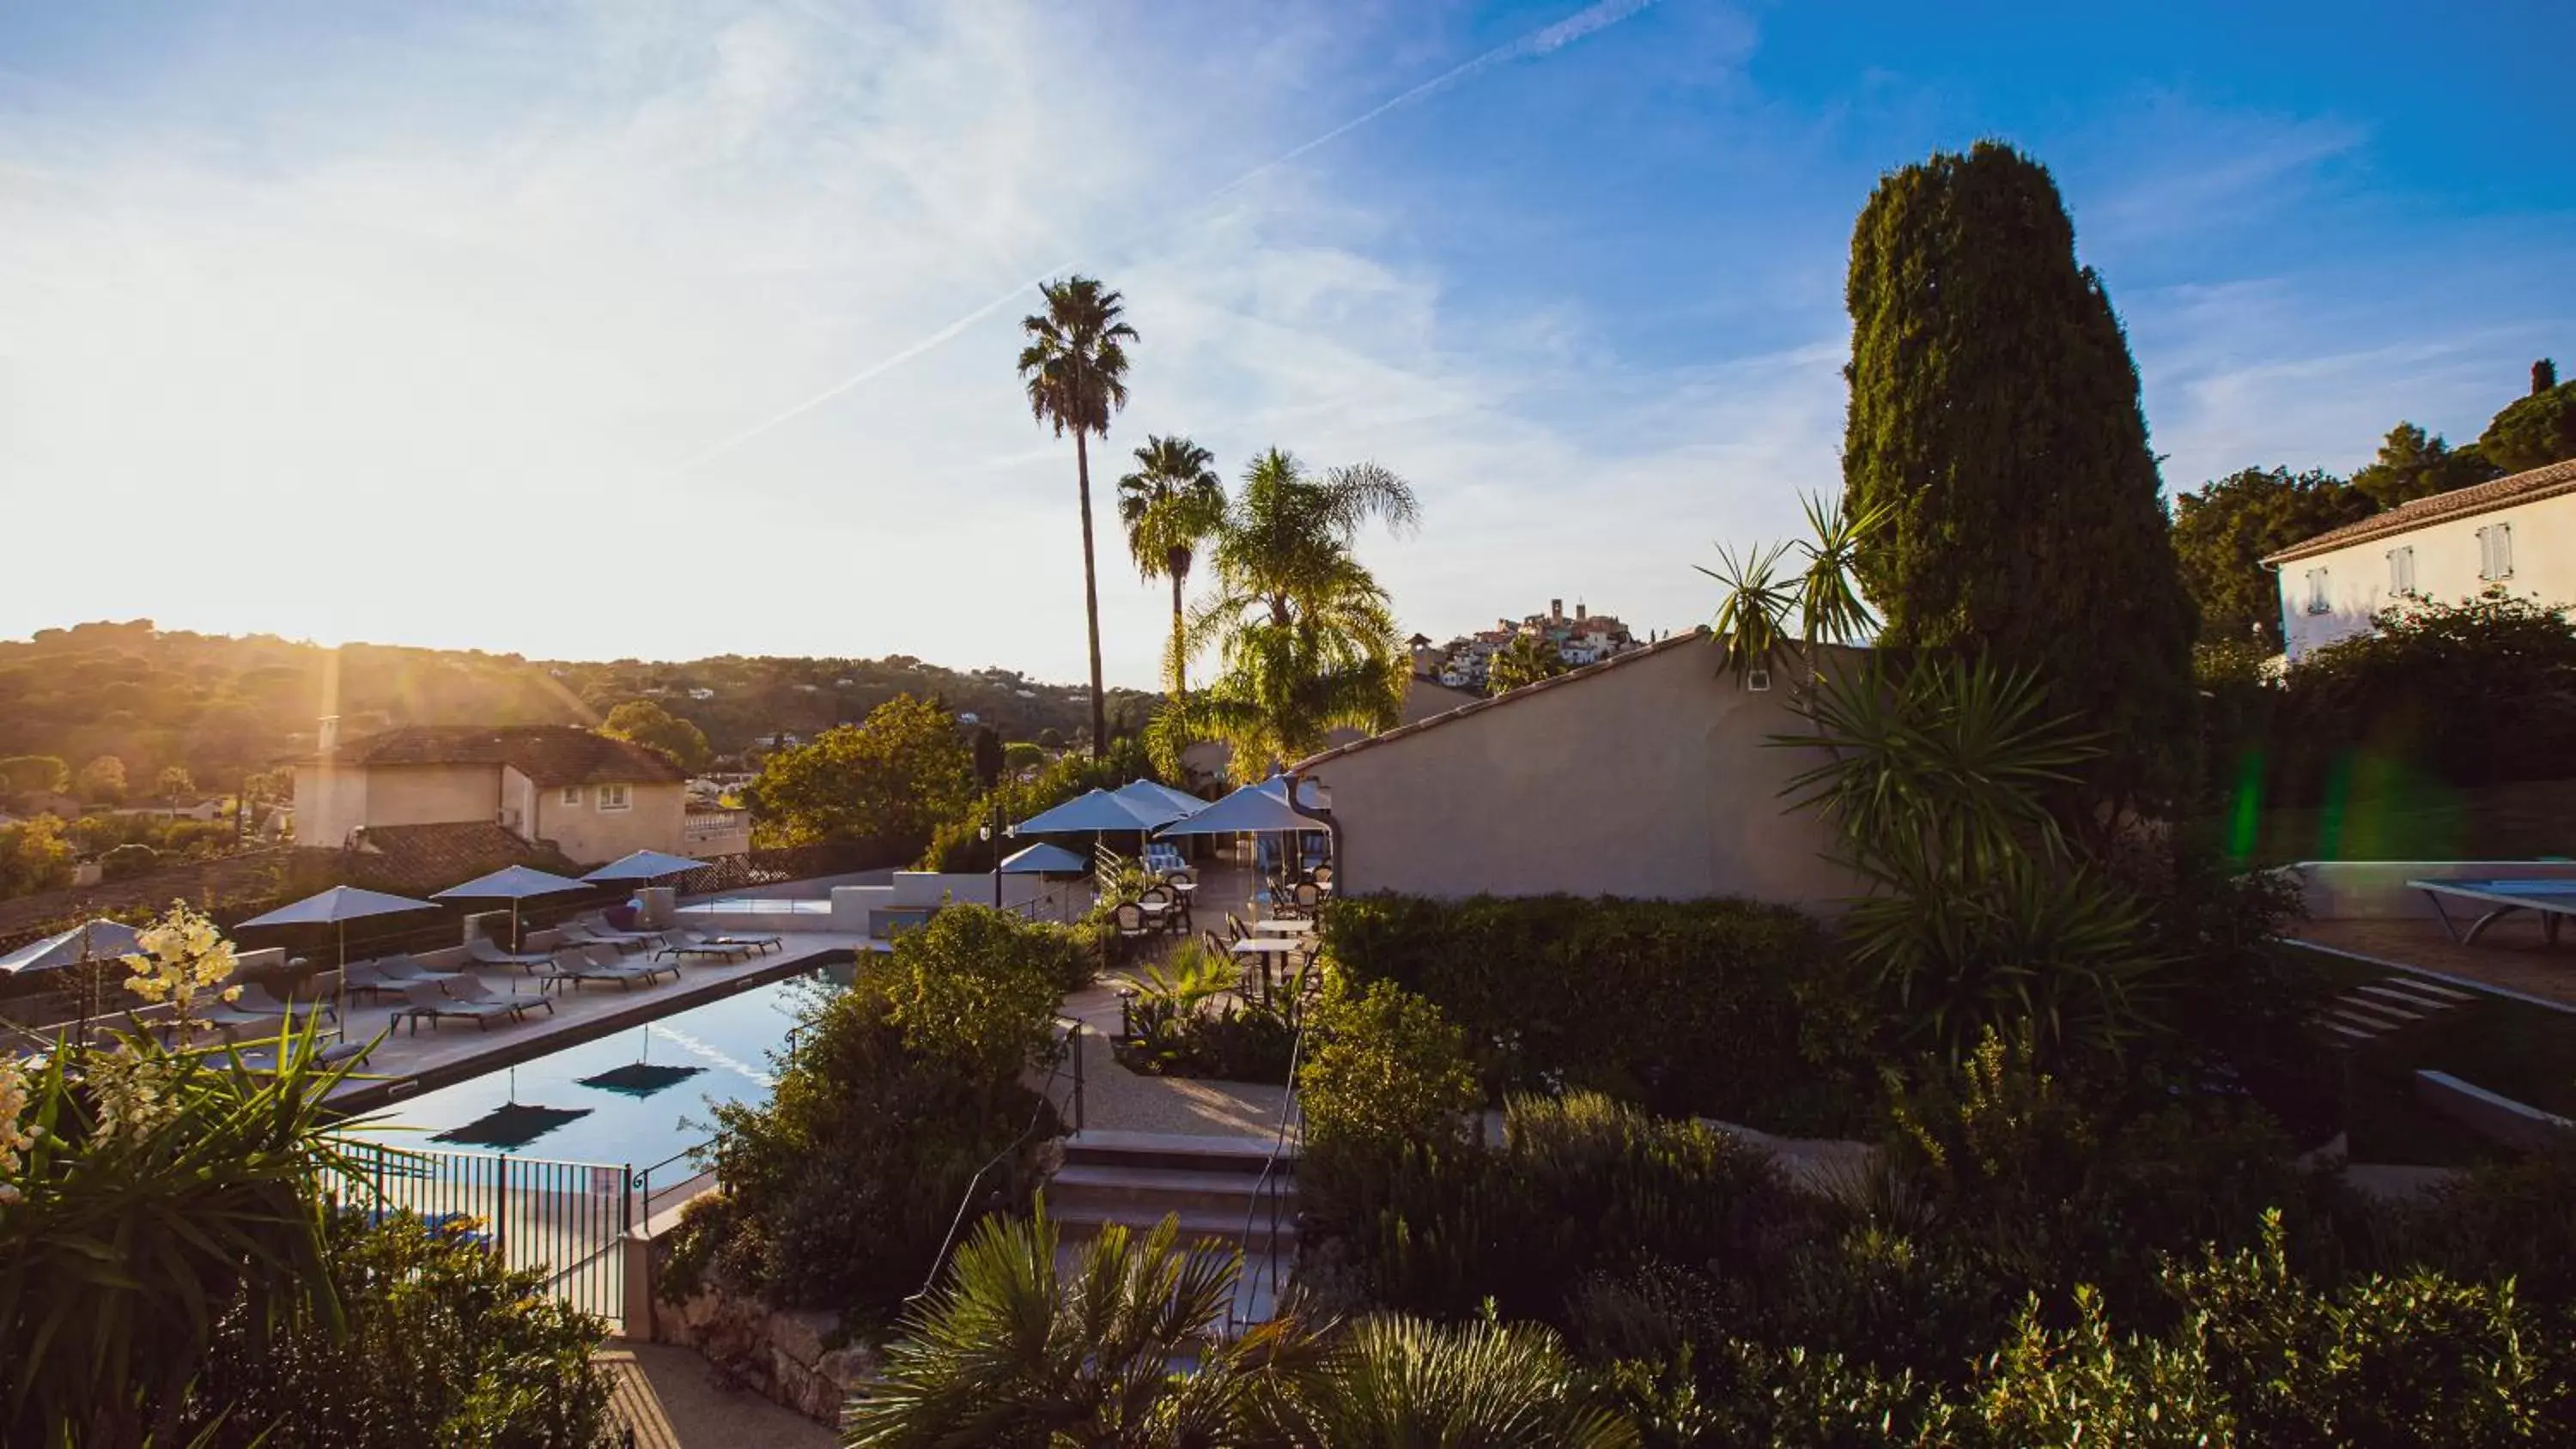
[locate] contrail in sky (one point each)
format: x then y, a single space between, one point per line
1544 41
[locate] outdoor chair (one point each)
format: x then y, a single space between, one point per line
680 944
484 952
1131 922
573 967
428 1003
1306 896
606 932
577 933
1324 878
469 987
388 975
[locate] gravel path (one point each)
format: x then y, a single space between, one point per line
1116 1099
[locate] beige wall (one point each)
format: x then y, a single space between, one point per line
589 835
2446 568
1648 779
331 801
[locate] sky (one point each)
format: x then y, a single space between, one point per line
668 328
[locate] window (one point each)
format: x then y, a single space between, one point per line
2495 552
612 797
2401 571
2317 601
572 794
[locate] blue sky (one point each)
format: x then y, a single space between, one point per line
669 329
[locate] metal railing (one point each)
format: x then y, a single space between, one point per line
568 1219
1287 1141
1072 1059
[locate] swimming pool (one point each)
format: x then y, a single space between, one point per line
636 1097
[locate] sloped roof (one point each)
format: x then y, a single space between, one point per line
418 859
2524 487
1561 681
550 755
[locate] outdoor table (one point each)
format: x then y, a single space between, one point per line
1268 950
1285 926
2549 899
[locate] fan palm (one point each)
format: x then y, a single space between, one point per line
1306 635
1526 660
1171 504
1406 1383
1075 366
1010 1353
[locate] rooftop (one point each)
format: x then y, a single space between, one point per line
2524 487
550 755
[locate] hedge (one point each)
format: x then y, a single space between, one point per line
1723 1008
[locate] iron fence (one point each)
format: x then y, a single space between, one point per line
566 1219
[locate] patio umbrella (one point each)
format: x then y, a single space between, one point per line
1094 812
1160 799
645 866
1253 809
87 945
513 884
1044 860
337 907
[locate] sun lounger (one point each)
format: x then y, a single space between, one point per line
263 1060
583 933
388 975
575 966
428 1003
690 943
469 987
482 952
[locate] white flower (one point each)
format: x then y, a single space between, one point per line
15 1139
183 955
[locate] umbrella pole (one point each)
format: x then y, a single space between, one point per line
341 993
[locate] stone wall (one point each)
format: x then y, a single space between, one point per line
779 1354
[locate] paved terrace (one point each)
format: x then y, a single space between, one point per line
2510 955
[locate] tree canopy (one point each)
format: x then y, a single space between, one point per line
2223 530
657 729
2414 464
1074 366
1994 416
893 778
2537 430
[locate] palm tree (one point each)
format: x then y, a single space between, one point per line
1397 1382
1528 659
1307 636
1171 504
1010 1353
1075 365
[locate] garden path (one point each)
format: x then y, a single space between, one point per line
1118 1100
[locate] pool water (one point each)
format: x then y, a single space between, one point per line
636 1097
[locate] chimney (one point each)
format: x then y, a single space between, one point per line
329 736
1556 608
1578 611
2544 376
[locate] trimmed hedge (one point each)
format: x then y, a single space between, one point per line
1722 1008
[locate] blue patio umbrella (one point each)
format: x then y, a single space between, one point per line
1044 860
1160 799
337 907
1093 812
89 941
514 884
645 866
1254 809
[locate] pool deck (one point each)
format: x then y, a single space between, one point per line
406 1062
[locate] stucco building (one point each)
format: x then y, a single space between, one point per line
1649 775
2517 533
590 798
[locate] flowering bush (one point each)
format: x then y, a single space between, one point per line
16 1138
183 957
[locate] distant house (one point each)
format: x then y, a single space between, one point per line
586 796
2517 533
1648 775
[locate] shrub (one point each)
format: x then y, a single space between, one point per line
841 1189
1182 1022
1720 1008
1387 1069
128 861
438 1344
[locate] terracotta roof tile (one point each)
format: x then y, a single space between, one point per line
2524 487
550 755
415 860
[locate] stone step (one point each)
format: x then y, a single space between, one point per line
2348 1025
1156 1189
2408 993
1081 1220
2438 991
2372 1009
1173 1150
2346 1035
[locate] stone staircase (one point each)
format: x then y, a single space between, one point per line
2392 1003
1210 1184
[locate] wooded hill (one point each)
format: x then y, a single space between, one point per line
222 707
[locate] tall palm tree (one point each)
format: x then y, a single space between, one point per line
1307 635
1075 365
1171 504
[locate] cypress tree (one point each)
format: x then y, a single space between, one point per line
1994 411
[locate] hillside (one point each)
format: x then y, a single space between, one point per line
222 707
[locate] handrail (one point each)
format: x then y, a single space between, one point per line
1046 1101
1265 1187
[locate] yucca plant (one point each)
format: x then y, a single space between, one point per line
1753 615
151 1187
1397 1382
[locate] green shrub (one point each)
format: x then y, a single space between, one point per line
840 1189
1386 1068
1183 1022
956 846
1718 1008
438 1345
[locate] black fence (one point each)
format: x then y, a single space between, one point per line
568 1219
